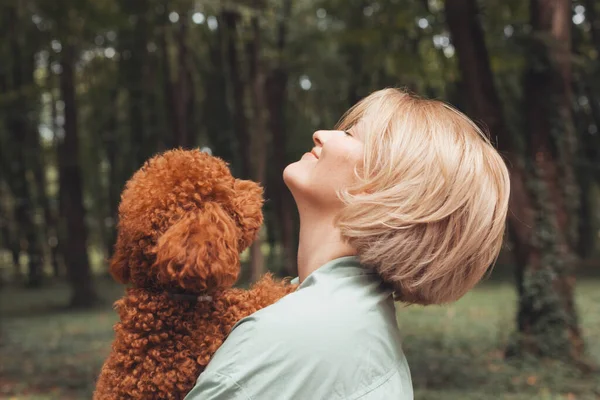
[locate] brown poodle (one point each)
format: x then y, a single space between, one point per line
183 221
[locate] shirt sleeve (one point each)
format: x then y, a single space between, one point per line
216 386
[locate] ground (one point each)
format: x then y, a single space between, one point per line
455 352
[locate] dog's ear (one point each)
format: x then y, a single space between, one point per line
199 252
119 265
247 205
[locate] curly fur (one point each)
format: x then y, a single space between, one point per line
183 221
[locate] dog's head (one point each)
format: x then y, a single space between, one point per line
183 221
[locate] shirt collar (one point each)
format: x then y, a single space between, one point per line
342 267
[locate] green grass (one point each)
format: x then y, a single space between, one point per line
455 352
47 352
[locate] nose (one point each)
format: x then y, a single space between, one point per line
319 138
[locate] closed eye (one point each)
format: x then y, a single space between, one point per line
347 133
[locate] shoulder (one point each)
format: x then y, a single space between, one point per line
309 342
295 327
307 320
315 324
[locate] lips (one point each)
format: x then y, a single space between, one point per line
309 156
314 153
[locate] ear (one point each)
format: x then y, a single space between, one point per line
247 206
119 267
198 252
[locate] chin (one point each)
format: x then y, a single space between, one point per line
295 176
290 175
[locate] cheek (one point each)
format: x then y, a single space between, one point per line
340 166
335 176
332 175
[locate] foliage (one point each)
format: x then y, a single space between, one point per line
335 52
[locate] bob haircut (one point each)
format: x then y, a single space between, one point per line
428 212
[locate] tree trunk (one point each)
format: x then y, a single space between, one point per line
18 126
592 143
587 225
259 140
251 132
229 20
276 95
174 130
591 15
114 173
156 121
10 232
217 121
135 67
589 152
547 320
50 223
59 229
355 53
71 191
485 105
551 149
183 97
39 164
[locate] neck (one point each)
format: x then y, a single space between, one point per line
320 242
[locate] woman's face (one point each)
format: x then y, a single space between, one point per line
330 166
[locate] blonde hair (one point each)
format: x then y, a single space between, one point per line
428 212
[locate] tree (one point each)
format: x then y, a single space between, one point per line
248 104
259 138
551 148
55 229
111 149
71 191
547 320
184 93
22 131
586 45
9 233
39 163
276 92
133 43
228 23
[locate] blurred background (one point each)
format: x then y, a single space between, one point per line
91 89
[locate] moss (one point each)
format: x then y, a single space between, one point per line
544 320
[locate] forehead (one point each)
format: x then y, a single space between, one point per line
355 121
374 112
358 130
350 119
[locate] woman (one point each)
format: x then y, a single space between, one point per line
405 200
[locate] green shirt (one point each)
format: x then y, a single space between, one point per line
336 337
